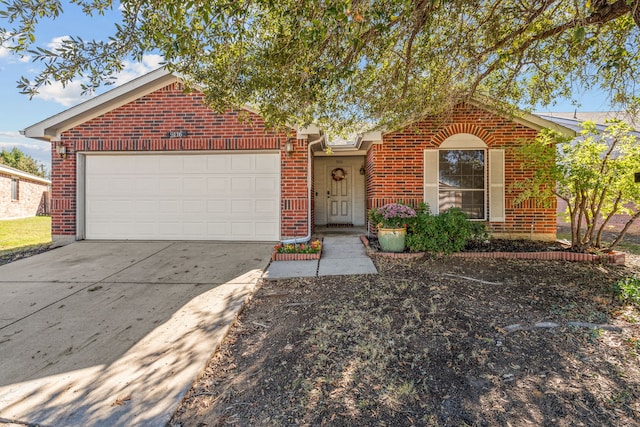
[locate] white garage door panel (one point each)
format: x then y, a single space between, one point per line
186 196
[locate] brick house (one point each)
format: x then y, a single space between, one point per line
22 194
149 161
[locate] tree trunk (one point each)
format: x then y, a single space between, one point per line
624 230
635 11
614 210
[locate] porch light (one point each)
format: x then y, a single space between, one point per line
288 146
61 150
362 170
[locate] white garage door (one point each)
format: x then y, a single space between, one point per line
183 197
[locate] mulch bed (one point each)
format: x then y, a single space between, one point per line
498 245
510 249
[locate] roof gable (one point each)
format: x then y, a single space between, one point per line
526 119
523 118
50 129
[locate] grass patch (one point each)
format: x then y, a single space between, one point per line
628 290
25 232
628 247
623 246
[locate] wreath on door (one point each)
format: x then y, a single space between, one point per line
338 174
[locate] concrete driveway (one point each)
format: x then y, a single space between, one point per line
113 333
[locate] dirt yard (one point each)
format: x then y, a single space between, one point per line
443 342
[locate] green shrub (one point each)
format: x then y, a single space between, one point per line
446 233
628 290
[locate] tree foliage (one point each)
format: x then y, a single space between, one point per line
19 160
595 175
349 62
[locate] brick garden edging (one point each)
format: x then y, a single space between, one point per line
400 255
294 257
615 258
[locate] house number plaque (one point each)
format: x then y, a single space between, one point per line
177 134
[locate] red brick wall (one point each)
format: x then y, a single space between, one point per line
143 124
396 167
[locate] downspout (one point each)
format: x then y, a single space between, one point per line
309 186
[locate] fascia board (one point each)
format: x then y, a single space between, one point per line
538 123
304 132
21 174
51 128
372 136
526 119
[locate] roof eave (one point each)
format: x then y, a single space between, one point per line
526 119
7 170
538 123
51 128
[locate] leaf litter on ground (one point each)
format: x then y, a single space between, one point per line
424 343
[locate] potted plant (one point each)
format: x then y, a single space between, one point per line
391 220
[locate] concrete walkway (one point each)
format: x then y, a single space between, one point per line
114 333
341 255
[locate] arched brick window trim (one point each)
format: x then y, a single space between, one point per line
495 164
457 128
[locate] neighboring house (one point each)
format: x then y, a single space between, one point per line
573 121
22 194
149 161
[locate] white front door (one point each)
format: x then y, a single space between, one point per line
339 209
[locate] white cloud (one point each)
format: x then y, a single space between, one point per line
39 150
56 42
69 95
137 69
32 147
72 93
10 139
6 41
9 134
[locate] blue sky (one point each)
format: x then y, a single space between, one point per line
18 111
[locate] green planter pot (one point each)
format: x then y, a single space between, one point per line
392 239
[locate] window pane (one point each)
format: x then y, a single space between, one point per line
15 189
470 202
478 182
462 181
462 168
449 199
